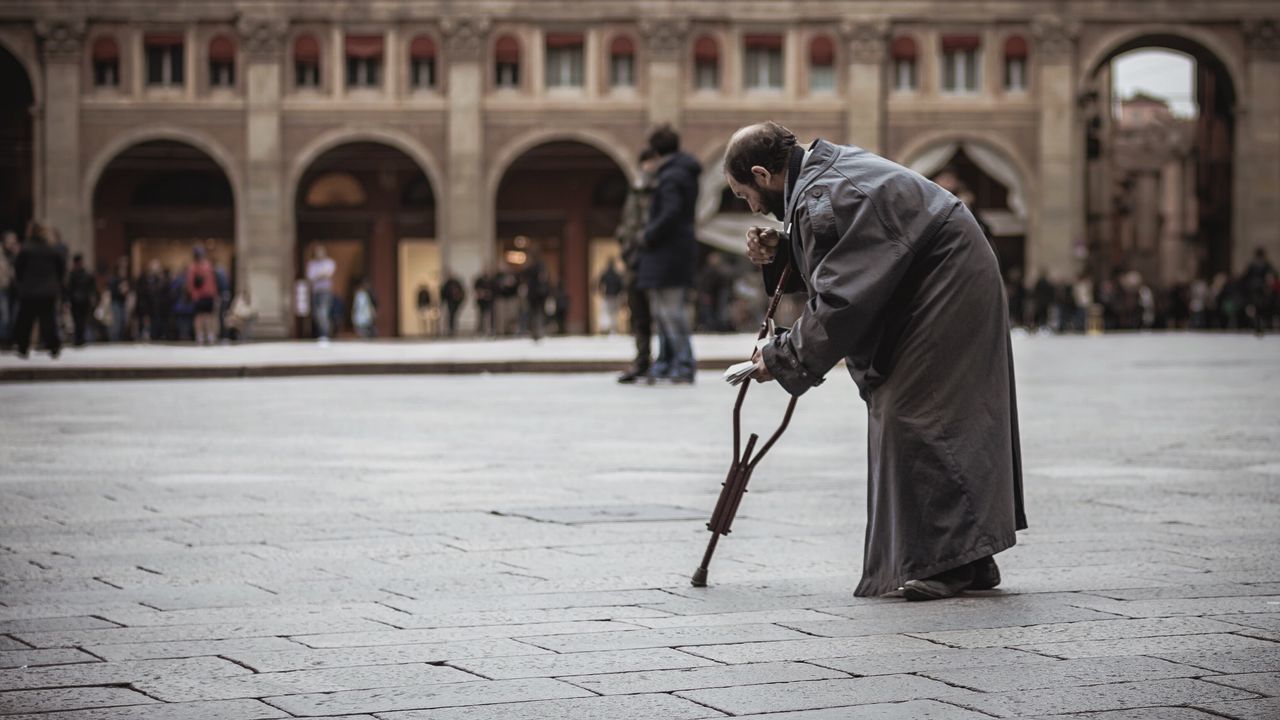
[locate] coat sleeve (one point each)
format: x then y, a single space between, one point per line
857 262
664 213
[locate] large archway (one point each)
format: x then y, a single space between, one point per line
373 209
157 201
563 198
1158 186
17 146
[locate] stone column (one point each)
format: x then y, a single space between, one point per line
665 40
1053 233
867 51
1257 152
62 47
265 254
466 212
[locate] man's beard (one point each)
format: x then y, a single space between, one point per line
773 202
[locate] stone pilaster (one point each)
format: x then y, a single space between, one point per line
666 41
1257 183
468 242
266 254
62 47
1058 210
866 42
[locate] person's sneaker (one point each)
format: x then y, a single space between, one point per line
943 585
985 573
631 376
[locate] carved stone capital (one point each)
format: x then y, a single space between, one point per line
61 39
465 36
1055 38
1262 37
262 38
665 37
867 40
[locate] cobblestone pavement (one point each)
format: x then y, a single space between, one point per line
518 547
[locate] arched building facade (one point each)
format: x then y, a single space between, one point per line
464 101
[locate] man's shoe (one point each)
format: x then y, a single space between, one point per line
631 376
682 379
985 573
943 585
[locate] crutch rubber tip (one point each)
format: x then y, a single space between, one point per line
699 578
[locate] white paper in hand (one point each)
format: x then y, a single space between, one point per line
737 374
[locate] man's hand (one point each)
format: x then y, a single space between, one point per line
762 245
762 373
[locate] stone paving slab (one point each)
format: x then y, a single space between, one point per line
568 664
1063 673
1077 631
486 692
1263 683
817 694
631 707
702 677
1102 697
817 648
19 701
1150 713
1228 661
217 710
1159 646
304 659
935 658
438 635
260 685
910 710
117 673
669 637
1262 709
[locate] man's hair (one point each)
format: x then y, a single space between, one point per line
767 144
664 140
648 154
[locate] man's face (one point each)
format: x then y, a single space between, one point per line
763 199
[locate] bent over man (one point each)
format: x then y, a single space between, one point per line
903 286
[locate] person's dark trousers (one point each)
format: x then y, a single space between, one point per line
44 310
641 327
453 319
80 322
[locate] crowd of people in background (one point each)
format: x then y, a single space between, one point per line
1125 301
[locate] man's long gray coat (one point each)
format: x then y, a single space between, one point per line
904 286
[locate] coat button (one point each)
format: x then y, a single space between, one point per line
817 193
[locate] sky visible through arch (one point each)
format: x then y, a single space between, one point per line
1162 73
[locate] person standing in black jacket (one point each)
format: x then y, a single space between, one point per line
38 270
82 290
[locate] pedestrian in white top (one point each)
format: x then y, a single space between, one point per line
320 270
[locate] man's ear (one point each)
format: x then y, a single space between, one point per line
762 175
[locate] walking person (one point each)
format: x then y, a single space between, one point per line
903 286
38 272
535 285
669 253
482 288
82 290
630 234
423 305
364 311
121 289
202 288
241 317
452 294
6 284
610 286
320 272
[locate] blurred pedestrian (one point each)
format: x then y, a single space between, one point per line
506 306
320 272
241 317
1256 289
669 252
423 305
535 287
6 284
202 288
1082 294
610 286
1042 297
82 290
150 298
39 270
452 294
302 307
364 311
482 289
121 289
630 234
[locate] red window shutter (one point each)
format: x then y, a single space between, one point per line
507 50
422 48
221 49
306 49
1015 47
162 39
960 42
904 48
763 42
105 49
564 40
622 45
706 50
364 46
822 52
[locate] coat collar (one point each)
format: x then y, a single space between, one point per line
821 155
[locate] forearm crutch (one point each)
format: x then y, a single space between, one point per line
744 461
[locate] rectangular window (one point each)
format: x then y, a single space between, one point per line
564 61
622 71
960 70
306 74
508 75
364 72
423 73
706 75
1015 74
822 79
904 75
106 73
164 60
762 69
222 74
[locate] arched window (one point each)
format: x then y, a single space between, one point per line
622 62
506 62
222 62
306 62
904 64
422 63
364 61
822 65
106 62
1015 64
706 64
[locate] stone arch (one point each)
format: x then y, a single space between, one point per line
1021 185
122 142
1113 43
22 48
512 151
385 136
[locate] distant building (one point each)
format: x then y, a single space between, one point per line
411 136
